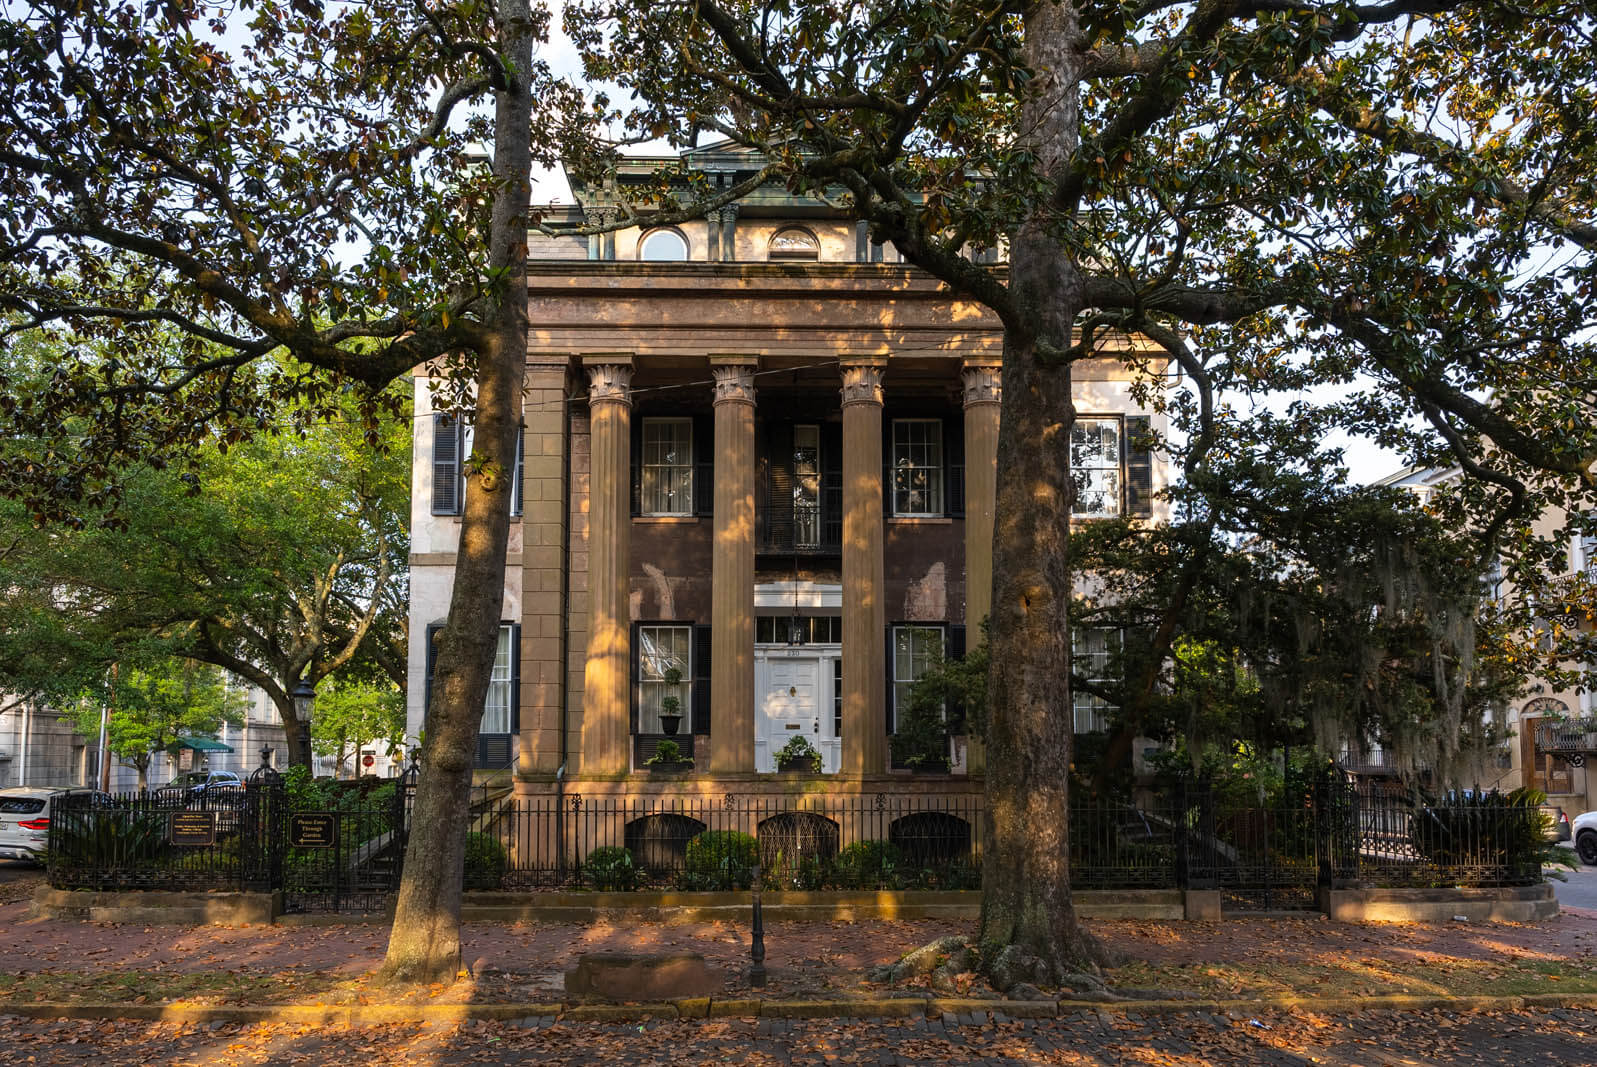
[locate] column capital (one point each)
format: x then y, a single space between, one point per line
862 381
983 384
608 379
734 381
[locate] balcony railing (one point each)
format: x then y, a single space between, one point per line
1567 736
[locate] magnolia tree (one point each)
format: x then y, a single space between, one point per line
1395 199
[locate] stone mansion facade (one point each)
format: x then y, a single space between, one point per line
754 500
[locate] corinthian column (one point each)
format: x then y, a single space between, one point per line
732 567
864 611
983 396
605 701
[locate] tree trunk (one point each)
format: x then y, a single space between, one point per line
425 943
295 754
144 774
1026 870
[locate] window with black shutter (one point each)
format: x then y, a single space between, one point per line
701 679
954 459
448 488
704 465
1139 466
516 479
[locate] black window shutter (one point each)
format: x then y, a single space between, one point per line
887 466
515 678
446 465
955 649
779 486
432 665
701 679
637 465
704 465
892 692
762 484
634 673
954 462
515 484
832 484
1139 466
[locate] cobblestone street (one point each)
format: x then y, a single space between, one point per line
1547 1038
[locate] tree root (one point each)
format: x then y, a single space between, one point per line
1009 969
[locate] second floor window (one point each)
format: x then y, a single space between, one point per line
1095 467
452 444
917 467
667 467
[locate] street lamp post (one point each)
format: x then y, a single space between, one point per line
304 695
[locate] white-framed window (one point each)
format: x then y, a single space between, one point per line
1095 467
806 486
1093 650
663 246
496 708
661 648
915 649
667 474
794 243
917 467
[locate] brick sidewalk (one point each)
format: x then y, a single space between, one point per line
1546 1038
525 962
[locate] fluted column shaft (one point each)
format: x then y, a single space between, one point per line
983 397
864 609
605 703
732 568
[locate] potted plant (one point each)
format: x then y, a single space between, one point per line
671 704
798 755
668 757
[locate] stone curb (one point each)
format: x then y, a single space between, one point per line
363 1015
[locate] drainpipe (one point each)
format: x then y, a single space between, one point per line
22 749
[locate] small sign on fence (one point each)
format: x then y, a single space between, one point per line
313 829
191 828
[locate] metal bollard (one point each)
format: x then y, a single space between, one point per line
757 950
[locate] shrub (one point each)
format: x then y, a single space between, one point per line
610 867
1486 829
868 865
486 862
720 859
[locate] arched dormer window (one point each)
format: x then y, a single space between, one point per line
663 246
794 243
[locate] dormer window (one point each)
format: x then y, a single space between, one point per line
795 243
663 246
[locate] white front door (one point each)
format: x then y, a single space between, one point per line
788 692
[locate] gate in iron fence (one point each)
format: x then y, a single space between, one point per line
345 853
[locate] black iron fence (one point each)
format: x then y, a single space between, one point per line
876 841
342 848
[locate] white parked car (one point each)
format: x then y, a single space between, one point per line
25 820
1585 834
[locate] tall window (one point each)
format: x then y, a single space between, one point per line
496 708
806 486
660 648
1095 467
915 648
1093 651
917 467
667 466
663 246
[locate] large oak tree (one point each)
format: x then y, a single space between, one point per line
1394 199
